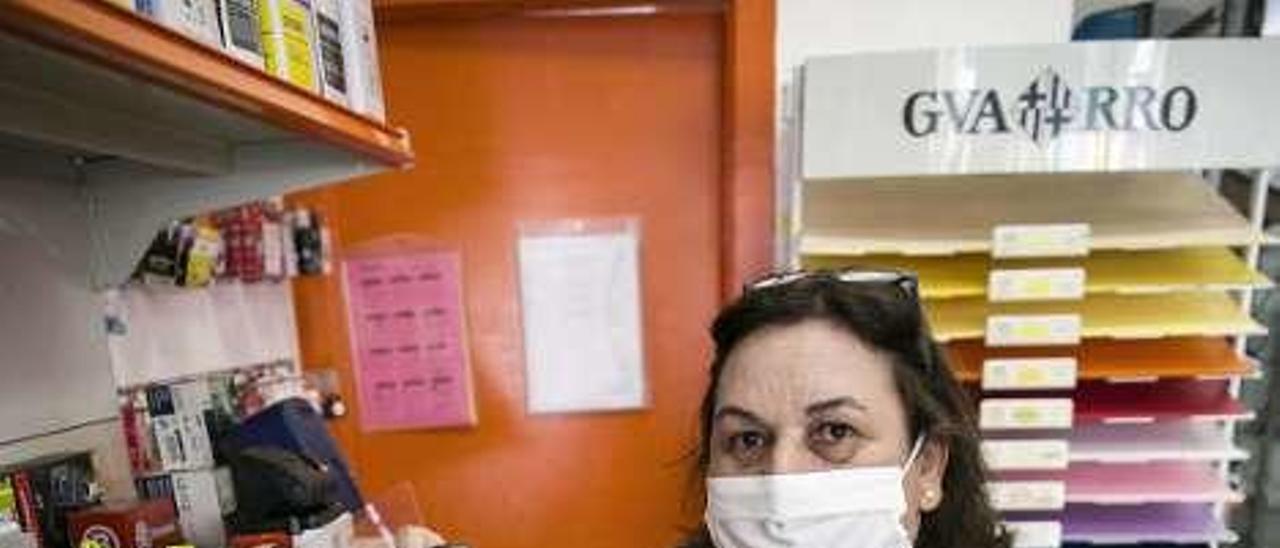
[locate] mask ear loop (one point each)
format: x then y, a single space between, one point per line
916 449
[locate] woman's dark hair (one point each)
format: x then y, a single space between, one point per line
887 318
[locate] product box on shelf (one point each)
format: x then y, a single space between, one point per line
330 60
242 30
195 18
127 525
288 40
360 49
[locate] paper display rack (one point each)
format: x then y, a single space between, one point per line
1087 279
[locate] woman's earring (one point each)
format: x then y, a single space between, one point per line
929 501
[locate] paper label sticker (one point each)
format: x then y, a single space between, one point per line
1029 374
1035 534
1036 284
1026 413
1010 455
1040 240
1033 330
1027 496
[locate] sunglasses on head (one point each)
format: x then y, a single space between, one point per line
903 280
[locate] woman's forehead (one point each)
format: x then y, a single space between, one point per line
785 369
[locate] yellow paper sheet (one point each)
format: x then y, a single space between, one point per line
1106 316
1125 272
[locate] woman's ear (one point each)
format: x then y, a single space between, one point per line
929 470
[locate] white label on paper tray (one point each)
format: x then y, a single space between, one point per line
1035 534
1028 496
1033 330
1036 284
1040 240
1026 413
1029 374
1027 454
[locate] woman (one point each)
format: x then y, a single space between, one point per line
832 421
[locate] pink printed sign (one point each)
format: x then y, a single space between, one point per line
406 325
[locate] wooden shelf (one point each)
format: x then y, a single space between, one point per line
117 59
951 215
1106 316
1107 272
1102 359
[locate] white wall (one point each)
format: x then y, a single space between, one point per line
54 371
822 27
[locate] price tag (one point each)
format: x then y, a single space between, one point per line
1026 413
1009 455
1036 284
1029 374
1024 241
1028 496
1035 534
1033 330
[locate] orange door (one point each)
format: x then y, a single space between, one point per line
538 118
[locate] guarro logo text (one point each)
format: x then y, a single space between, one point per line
1048 107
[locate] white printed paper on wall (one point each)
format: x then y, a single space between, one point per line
580 298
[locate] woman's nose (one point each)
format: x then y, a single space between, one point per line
792 456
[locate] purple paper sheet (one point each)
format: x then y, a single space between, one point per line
1175 523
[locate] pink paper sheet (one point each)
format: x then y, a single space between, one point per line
406 325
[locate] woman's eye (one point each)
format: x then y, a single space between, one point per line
834 432
747 445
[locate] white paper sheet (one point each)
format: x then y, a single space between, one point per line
580 297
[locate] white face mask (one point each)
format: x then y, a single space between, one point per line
849 508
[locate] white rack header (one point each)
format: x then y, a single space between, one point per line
1089 106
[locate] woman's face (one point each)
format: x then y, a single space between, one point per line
811 397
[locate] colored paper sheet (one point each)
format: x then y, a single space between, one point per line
407 330
1137 483
1146 443
951 215
1180 523
1180 357
1156 402
1183 269
1106 316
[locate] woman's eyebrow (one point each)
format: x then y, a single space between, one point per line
827 405
735 411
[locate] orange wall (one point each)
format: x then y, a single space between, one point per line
518 119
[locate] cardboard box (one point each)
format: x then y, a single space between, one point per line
360 48
330 59
242 30
195 18
134 525
288 46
